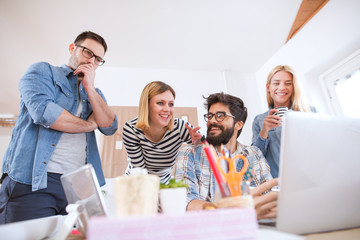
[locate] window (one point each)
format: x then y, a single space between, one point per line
342 84
347 90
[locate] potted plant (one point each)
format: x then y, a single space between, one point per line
173 197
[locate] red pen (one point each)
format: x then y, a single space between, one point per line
225 192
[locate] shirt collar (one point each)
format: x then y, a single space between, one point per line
239 150
66 70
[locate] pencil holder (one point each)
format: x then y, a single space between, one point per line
245 201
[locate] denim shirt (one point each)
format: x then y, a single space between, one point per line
45 92
270 147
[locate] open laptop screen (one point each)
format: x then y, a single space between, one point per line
82 187
319 173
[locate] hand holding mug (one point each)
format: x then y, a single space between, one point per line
271 121
281 111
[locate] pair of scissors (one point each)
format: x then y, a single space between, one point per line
232 176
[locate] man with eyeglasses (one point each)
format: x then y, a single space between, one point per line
225 119
60 109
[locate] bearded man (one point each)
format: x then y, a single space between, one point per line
225 119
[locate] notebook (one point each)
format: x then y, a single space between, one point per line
319 173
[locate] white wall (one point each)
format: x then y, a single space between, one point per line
5 134
243 85
332 35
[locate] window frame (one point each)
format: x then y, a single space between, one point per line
341 70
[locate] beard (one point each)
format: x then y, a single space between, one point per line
223 138
74 64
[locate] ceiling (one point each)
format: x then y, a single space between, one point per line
210 35
307 10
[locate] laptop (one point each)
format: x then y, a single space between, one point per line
82 187
319 173
85 200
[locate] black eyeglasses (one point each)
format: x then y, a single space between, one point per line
89 54
219 116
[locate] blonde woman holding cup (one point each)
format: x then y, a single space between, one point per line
283 93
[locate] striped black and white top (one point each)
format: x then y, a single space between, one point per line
157 157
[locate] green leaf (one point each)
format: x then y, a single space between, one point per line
173 184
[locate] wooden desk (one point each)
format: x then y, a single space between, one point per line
75 237
349 234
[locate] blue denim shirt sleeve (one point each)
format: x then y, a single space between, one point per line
37 91
51 113
257 141
114 126
111 129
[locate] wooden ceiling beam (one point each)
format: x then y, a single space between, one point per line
307 10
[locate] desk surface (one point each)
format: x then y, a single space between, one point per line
348 234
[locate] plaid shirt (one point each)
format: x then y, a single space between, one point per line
193 166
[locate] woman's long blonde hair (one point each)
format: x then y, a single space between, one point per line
298 101
150 90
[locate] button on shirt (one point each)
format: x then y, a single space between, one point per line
45 92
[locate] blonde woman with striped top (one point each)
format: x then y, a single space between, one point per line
152 140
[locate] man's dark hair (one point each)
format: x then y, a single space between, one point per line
88 34
235 104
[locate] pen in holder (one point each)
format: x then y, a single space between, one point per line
245 200
224 189
234 176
